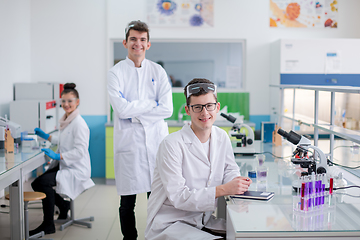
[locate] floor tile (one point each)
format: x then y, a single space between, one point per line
100 201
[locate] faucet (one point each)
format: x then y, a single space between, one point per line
180 115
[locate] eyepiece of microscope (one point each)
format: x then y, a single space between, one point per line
228 117
292 137
283 133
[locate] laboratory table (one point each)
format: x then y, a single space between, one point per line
13 168
275 218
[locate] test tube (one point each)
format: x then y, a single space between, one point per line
316 191
307 192
311 190
302 198
313 180
318 187
301 180
331 186
323 194
297 199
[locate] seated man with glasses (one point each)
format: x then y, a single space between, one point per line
194 167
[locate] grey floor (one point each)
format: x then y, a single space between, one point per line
100 201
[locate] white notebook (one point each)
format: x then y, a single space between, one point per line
259 195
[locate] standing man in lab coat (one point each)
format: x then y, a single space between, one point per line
141 97
194 167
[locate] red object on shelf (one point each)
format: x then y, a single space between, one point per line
61 88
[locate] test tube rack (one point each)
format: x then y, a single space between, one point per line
322 219
312 196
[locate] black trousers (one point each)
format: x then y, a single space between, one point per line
45 184
127 216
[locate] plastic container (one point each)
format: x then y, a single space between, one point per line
252 176
28 142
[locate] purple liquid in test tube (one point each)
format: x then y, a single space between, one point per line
310 194
315 193
317 186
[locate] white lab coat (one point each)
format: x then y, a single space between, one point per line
139 124
184 186
74 172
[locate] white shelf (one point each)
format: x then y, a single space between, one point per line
301 119
346 89
341 132
321 125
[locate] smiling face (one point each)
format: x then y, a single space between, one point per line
203 120
137 43
69 102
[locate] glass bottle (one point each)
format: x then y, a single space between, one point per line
261 171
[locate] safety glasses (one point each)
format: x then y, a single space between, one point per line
69 101
127 29
196 87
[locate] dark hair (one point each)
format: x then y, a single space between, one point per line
70 88
201 92
137 26
161 63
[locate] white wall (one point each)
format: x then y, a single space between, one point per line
68 44
14 48
239 19
69 41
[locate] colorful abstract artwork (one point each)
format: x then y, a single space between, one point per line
304 13
166 7
180 13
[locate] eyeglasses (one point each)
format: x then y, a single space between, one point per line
70 100
199 107
196 87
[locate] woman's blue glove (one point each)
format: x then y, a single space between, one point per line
41 133
51 153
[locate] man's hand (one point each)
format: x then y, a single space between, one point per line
238 185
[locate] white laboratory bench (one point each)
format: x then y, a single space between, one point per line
13 168
275 218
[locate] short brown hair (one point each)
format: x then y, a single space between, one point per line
201 92
137 26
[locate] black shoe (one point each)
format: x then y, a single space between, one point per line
64 210
48 229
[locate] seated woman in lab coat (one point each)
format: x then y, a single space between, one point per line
70 170
194 167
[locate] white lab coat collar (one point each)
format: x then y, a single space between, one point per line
194 144
132 64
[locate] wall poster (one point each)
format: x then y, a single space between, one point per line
180 13
304 13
